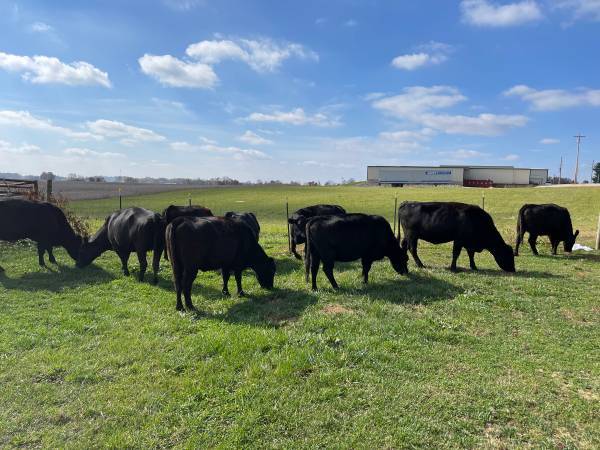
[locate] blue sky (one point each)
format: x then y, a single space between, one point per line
295 90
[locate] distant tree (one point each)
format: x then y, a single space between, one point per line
596 174
47 176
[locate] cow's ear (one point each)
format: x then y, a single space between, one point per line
576 233
291 221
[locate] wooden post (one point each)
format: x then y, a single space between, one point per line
190 199
48 190
395 213
120 200
483 201
287 224
598 234
35 188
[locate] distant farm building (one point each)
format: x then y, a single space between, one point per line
472 176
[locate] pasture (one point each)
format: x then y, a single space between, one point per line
89 358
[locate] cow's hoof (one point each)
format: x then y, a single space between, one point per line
226 293
453 269
241 294
179 308
155 281
126 273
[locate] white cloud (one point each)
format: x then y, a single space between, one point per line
416 104
24 119
550 141
431 54
580 9
128 133
46 70
262 55
294 117
511 157
417 99
491 14
23 149
249 137
86 153
236 152
320 20
172 71
40 27
350 23
183 5
555 99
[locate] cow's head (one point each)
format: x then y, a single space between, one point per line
265 273
570 242
298 226
505 257
87 254
398 258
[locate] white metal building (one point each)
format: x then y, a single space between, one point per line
456 175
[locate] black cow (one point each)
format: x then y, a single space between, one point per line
41 222
299 218
348 238
248 218
467 226
171 212
545 220
128 230
211 243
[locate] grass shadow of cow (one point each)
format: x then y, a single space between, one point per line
56 279
272 310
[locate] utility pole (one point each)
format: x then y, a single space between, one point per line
578 137
592 174
560 172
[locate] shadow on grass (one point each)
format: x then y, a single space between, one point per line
414 288
518 274
573 256
56 278
273 310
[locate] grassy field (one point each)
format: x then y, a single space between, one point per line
89 358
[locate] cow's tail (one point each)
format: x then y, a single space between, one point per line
172 252
520 219
307 257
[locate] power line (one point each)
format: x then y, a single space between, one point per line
578 137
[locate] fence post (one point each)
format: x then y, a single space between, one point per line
395 213
598 234
35 188
120 200
483 201
287 224
190 199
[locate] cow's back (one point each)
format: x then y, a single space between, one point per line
545 219
132 227
26 219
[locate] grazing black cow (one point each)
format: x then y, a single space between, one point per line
128 230
211 243
545 220
173 211
248 218
41 222
348 238
467 226
299 218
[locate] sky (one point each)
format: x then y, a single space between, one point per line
296 90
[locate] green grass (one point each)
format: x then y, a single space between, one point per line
89 358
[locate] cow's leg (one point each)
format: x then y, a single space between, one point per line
141 254
554 243
225 273
51 257
238 281
124 256
471 254
328 269
178 281
412 246
315 261
532 239
188 280
155 265
456 249
404 243
366 266
41 250
520 235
